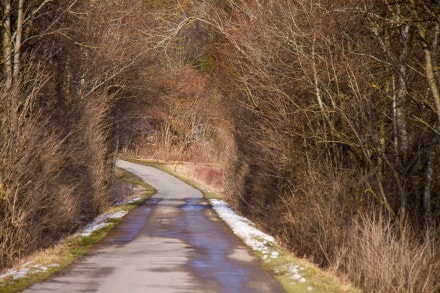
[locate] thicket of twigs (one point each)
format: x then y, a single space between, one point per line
324 116
65 66
333 115
337 131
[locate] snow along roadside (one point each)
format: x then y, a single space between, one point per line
97 224
255 238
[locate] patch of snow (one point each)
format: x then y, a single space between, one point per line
128 201
92 227
26 270
117 215
296 270
133 200
99 223
243 228
255 239
21 273
41 268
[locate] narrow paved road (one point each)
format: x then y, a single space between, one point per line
173 243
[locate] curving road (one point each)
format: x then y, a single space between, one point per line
173 243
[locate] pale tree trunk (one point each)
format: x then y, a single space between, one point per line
318 94
399 113
7 52
18 41
402 92
397 87
434 85
13 40
427 30
435 49
432 80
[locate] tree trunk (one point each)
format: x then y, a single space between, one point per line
399 113
7 54
18 41
431 75
402 92
433 82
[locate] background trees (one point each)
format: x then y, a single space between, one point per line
325 93
323 115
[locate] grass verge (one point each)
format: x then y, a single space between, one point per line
287 269
43 264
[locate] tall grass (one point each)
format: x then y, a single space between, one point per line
379 257
333 222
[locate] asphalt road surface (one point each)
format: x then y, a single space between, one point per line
173 243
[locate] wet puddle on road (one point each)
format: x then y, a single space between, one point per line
217 258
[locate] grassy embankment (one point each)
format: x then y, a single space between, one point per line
60 256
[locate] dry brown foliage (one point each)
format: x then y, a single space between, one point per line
328 120
331 120
56 129
320 117
380 258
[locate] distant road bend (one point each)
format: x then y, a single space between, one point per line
173 243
